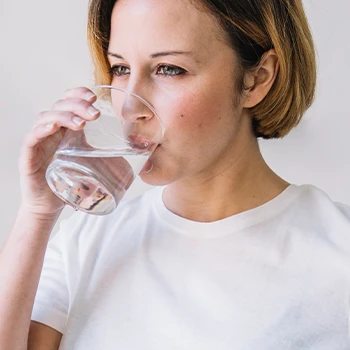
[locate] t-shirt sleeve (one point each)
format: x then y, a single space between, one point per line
344 208
52 298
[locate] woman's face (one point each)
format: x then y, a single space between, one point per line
176 57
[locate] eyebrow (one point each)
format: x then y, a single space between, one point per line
155 55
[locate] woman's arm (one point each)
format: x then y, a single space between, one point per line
42 337
22 257
21 262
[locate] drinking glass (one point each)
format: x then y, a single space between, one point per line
93 167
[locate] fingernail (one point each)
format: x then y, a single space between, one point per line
49 126
93 111
89 95
78 121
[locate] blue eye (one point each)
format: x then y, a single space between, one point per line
119 70
165 70
170 70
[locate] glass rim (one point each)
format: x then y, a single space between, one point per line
148 105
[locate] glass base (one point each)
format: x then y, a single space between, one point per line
79 187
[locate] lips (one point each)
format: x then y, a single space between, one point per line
140 142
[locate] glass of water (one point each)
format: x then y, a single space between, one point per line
93 167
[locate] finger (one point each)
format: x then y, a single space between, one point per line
77 106
39 133
66 119
80 92
32 152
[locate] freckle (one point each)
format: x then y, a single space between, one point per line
200 125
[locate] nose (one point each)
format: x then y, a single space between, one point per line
134 109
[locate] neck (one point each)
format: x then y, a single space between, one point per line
246 183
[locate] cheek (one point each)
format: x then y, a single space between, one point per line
198 115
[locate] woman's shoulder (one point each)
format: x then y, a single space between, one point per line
317 217
317 200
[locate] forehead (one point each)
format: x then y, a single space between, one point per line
163 24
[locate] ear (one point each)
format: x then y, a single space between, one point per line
260 80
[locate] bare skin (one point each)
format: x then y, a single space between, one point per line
25 248
209 157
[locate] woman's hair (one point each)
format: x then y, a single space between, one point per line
253 27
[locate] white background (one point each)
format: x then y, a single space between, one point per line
44 52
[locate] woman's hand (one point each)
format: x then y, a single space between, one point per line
71 112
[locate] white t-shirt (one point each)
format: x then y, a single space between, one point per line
276 277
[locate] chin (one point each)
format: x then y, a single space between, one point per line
155 177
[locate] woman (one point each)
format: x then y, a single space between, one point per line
226 254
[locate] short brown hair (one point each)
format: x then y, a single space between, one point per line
253 27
